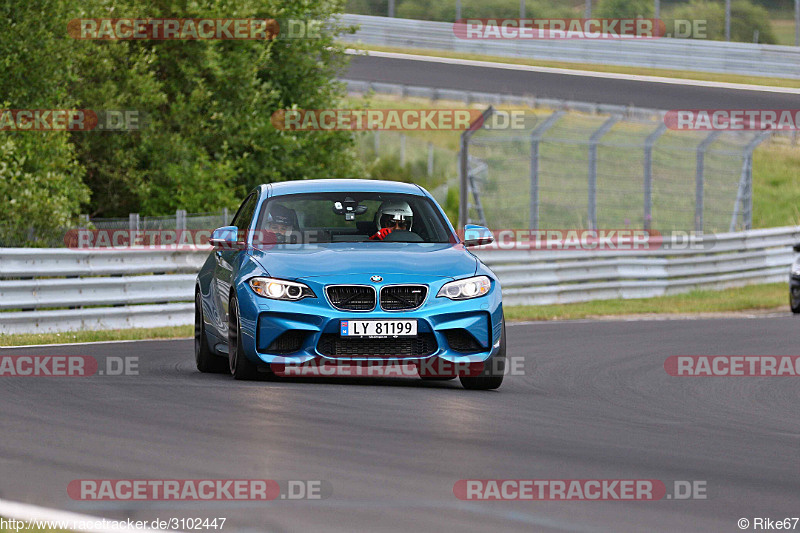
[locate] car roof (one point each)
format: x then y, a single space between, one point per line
340 185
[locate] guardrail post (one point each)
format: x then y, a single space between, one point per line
402 149
593 142
648 173
536 138
391 8
430 159
522 9
463 167
377 141
700 181
744 195
226 217
458 9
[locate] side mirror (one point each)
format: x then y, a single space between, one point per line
225 238
477 235
796 247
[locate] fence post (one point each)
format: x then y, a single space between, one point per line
536 138
744 195
593 142
463 167
430 158
700 181
648 173
522 9
727 20
377 140
180 219
402 149
226 217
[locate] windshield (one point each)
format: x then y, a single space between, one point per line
353 217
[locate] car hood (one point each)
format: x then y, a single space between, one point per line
294 262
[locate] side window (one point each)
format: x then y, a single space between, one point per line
245 213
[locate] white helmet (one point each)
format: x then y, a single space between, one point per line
394 211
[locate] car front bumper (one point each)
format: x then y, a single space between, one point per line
264 321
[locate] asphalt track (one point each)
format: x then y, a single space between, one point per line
594 402
563 86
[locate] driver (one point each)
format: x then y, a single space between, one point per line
392 215
280 222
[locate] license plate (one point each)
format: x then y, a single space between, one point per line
379 328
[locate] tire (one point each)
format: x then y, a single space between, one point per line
492 375
206 360
437 378
240 366
794 303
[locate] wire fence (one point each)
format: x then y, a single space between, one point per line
584 165
571 170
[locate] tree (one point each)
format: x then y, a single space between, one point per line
40 177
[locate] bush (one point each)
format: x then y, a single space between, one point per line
745 19
624 9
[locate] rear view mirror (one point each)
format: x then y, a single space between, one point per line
349 208
225 238
477 235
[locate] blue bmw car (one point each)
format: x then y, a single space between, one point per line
348 272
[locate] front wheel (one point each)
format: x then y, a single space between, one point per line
241 367
493 369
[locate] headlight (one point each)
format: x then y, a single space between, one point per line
464 289
278 289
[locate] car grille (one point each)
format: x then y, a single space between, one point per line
333 345
402 297
460 340
351 297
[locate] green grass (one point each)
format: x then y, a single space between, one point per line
772 296
784 31
639 71
776 187
25 339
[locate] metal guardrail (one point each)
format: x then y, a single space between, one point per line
683 54
113 289
58 289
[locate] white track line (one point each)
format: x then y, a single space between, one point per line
25 512
581 73
93 342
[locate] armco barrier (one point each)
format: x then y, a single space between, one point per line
678 54
64 290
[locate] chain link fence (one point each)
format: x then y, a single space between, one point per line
57 238
572 170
